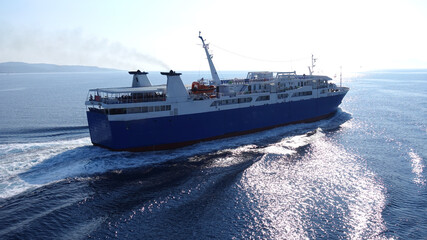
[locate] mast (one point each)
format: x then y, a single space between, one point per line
313 61
214 74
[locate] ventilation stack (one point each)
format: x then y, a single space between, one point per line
175 89
140 79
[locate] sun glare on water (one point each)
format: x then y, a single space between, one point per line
327 188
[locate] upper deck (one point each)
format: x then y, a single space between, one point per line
127 94
256 82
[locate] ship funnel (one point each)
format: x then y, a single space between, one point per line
140 79
175 89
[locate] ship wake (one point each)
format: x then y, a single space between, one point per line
30 165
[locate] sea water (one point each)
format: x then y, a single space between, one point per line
358 175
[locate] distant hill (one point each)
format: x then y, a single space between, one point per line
20 67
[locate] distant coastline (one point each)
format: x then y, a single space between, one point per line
21 67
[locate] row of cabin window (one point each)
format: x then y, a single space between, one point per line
231 101
299 94
263 98
259 86
299 84
282 96
161 108
260 98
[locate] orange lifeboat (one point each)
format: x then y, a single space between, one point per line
200 88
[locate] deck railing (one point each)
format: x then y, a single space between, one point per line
126 99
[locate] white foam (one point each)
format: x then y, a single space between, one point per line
417 167
12 89
21 157
29 165
288 145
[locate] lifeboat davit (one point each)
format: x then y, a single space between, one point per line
200 88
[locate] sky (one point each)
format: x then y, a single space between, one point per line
243 34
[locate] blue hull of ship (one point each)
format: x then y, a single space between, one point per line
176 131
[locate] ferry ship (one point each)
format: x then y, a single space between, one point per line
144 117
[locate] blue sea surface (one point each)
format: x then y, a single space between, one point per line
360 174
